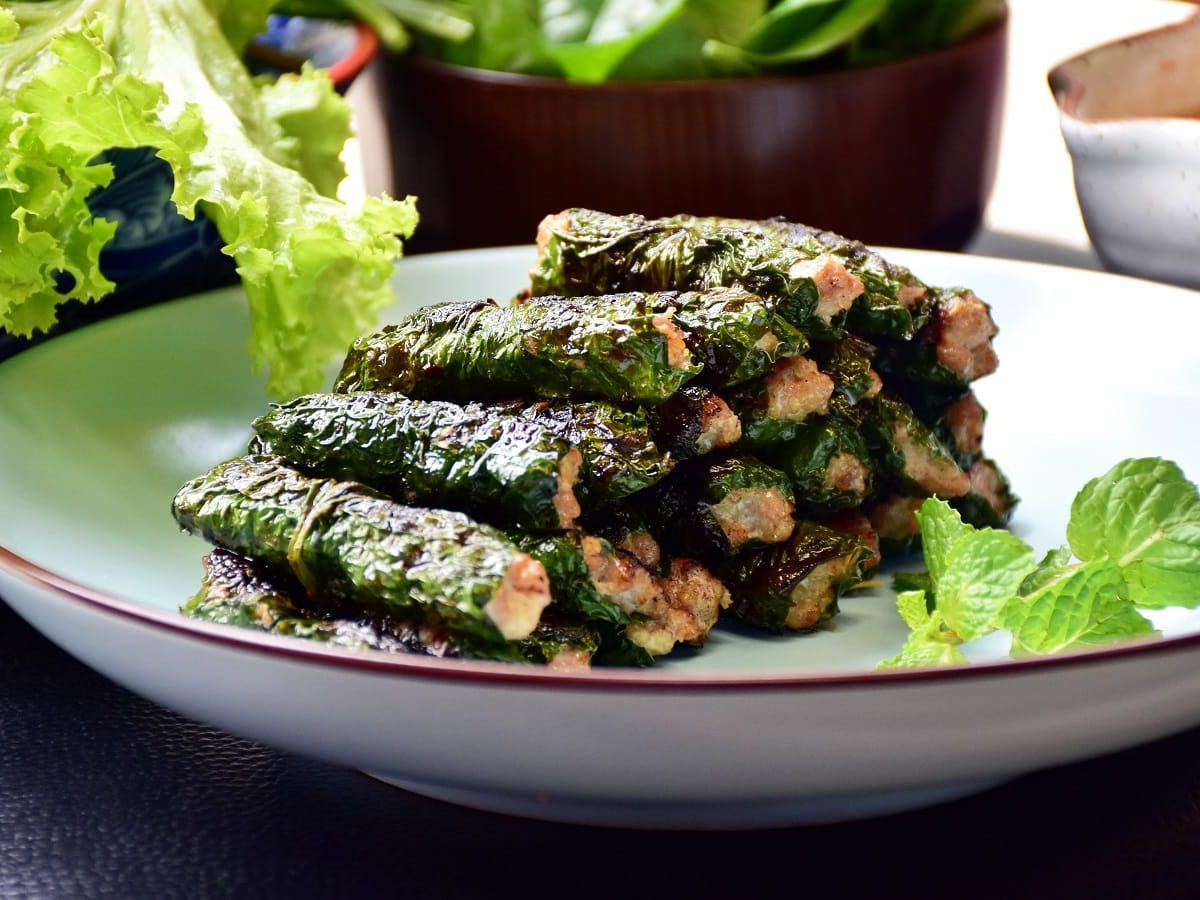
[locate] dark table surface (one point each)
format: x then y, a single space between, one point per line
105 794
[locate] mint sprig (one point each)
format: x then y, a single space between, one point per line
1133 543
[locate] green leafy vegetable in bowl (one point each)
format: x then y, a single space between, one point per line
601 40
1133 543
261 158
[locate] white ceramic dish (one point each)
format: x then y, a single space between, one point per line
1130 115
99 428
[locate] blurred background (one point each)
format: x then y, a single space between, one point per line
1032 211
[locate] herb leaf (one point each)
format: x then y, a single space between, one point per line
1134 542
1083 607
1145 515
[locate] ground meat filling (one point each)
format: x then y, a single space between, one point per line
985 481
565 502
678 356
847 474
965 332
755 514
911 295
964 417
875 388
815 592
837 287
642 546
895 518
796 389
621 579
569 659
940 477
694 599
856 523
720 426
546 229
517 605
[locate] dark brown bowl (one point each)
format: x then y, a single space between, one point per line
901 154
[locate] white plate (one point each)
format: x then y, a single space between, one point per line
99 428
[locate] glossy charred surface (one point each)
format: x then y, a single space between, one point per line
828 463
620 454
713 507
795 585
693 422
617 348
502 468
345 543
584 251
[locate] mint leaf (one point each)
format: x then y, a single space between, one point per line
1050 568
913 609
941 528
1083 606
982 571
1145 515
921 650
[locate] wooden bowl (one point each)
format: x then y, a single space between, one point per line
902 153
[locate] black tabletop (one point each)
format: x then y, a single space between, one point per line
105 794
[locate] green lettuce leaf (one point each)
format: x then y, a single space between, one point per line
84 76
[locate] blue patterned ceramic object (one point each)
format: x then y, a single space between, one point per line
156 253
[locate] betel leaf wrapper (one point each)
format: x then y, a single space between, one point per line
714 506
907 452
237 590
502 468
620 455
693 422
771 408
584 251
952 349
618 348
347 544
795 585
894 301
828 463
734 334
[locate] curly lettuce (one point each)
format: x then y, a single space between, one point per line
258 157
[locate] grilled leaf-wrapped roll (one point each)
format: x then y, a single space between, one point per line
828 463
770 409
584 251
712 507
910 452
626 528
894 518
589 576
693 422
638 616
990 501
620 456
894 302
506 469
617 348
848 364
734 334
950 351
345 543
795 585
236 590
